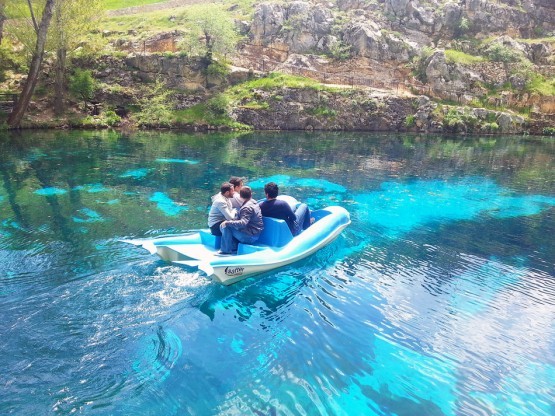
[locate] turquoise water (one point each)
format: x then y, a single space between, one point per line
439 299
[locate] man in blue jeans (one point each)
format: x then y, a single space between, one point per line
297 220
246 229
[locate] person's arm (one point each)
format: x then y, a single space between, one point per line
244 217
288 211
229 214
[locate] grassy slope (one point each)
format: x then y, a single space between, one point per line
120 4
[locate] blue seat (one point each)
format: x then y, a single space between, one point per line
276 233
208 239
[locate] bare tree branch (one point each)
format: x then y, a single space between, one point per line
33 16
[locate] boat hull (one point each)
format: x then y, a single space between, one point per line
193 250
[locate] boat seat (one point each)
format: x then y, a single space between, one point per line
243 248
207 238
276 233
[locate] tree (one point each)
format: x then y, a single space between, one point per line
82 85
211 32
72 18
2 18
14 120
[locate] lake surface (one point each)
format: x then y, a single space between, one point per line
438 299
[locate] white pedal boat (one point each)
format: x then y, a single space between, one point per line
275 248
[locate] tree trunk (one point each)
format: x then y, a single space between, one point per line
16 115
59 103
2 19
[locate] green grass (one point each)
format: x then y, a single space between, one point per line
274 81
147 22
550 39
459 57
200 114
121 4
541 85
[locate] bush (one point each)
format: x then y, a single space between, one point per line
419 64
156 107
501 53
456 120
218 105
111 118
492 127
549 131
82 85
410 121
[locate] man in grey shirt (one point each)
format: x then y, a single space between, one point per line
221 208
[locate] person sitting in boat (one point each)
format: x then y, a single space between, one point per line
246 229
221 209
297 220
237 183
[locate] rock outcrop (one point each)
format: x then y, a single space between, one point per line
310 109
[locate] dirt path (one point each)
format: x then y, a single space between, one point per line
171 4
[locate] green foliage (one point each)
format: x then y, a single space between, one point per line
155 106
218 105
501 53
459 121
145 23
549 131
82 85
9 60
340 51
217 71
491 127
462 27
200 114
210 24
455 56
539 84
111 118
410 121
419 64
106 119
464 24
120 4
322 111
274 81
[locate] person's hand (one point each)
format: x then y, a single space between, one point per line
223 224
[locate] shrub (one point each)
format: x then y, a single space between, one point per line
492 127
549 131
419 64
501 53
111 118
410 121
340 51
322 111
82 85
456 120
156 106
218 105
217 70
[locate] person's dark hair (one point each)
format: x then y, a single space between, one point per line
236 181
245 192
271 190
226 186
